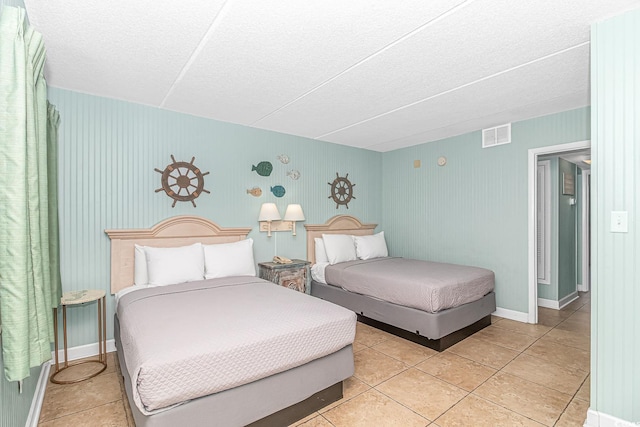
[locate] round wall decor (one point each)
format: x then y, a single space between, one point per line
182 181
341 190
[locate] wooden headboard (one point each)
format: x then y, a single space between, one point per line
176 231
339 224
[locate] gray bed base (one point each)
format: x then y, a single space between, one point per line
280 399
434 330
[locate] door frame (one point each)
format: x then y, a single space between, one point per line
532 316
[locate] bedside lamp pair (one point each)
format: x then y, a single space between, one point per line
270 219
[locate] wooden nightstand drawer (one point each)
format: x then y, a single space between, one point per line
293 276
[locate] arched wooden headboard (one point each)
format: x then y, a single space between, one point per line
339 224
176 231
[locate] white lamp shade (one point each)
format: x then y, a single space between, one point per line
269 212
294 213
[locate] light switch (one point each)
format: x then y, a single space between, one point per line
619 222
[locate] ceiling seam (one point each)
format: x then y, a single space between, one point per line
373 55
453 89
369 147
196 52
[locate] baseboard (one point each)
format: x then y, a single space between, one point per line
518 316
38 397
582 288
598 419
558 305
83 351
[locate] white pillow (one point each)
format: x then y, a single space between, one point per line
368 247
321 253
166 266
141 277
229 259
339 248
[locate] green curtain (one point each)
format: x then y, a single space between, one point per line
29 250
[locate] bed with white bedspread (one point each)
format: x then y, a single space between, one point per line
231 350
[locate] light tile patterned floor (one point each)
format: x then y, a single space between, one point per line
509 374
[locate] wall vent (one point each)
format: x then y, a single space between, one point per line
496 136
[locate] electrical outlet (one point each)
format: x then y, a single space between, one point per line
619 222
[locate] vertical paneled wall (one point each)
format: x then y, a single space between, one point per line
615 348
473 210
108 152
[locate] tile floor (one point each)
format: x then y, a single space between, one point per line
508 374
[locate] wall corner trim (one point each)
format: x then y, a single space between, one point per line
599 419
38 397
518 316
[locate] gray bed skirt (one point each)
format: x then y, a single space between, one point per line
432 326
255 401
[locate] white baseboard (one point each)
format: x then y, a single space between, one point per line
598 419
38 397
582 288
558 305
82 351
518 316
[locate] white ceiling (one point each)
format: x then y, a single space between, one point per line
376 74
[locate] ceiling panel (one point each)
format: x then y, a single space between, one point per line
265 54
495 37
505 93
131 50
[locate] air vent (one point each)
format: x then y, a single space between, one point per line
496 136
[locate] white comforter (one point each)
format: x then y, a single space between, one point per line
190 340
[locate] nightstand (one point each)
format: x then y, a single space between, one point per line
293 276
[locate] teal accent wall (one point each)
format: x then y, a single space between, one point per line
108 152
615 321
473 210
566 233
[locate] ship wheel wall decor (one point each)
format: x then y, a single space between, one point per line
341 190
182 181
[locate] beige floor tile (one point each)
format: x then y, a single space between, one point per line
574 415
357 346
568 338
496 319
546 373
373 367
551 350
573 306
524 328
483 352
550 317
505 338
84 367
305 419
373 408
457 370
422 393
63 400
584 309
532 400
478 412
576 325
405 351
350 389
370 336
318 421
584 393
110 414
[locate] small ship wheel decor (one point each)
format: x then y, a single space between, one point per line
341 190
182 181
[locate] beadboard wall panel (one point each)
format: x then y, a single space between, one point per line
473 210
615 347
108 152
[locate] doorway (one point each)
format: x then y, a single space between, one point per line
534 153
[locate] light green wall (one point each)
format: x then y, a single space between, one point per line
108 152
566 233
473 210
615 323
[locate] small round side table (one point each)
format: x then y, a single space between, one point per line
77 298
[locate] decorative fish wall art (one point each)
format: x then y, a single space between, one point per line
278 190
263 168
283 158
293 174
255 192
